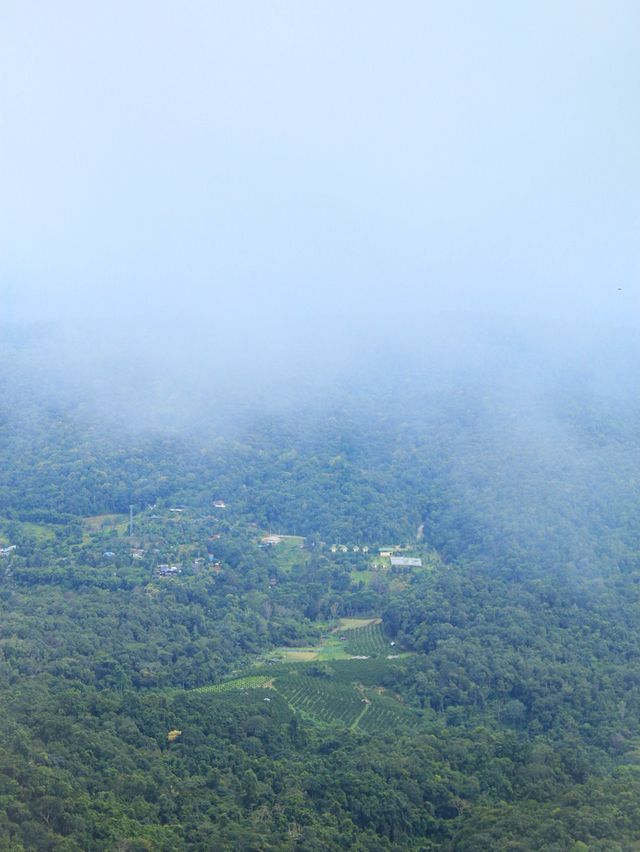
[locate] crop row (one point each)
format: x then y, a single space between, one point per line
385 714
251 682
322 700
368 641
343 704
373 672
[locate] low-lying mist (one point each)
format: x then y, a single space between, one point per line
525 441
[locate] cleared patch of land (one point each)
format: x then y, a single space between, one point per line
41 532
298 655
95 523
351 638
290 553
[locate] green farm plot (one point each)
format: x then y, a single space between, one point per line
385 713
349 693
297 655
324 701
376 671
353 637
289 552
348 705
250 682
368 641
103 523
331 649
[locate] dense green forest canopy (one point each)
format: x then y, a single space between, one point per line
172 679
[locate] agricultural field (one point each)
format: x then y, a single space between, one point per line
298 655
250 682
332 648
348 705
353 637
41 532
385 713
322 700
290 552
368 641
327 685
376 671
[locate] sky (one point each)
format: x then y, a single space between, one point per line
270 174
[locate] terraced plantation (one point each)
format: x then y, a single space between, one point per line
347 705
322 700
372 672
341 682
250 682
368 641
385 713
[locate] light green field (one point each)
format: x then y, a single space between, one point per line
95 523
108 523
289 552
41 532
297 655
333 646
331 649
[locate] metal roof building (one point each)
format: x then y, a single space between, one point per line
405 562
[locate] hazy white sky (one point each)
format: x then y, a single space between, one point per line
224 162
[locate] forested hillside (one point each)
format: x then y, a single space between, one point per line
205 645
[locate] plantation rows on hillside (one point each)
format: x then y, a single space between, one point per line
368 641
322 700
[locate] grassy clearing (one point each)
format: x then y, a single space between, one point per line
331 649
95 523
336 645
41 532
290 552
297 655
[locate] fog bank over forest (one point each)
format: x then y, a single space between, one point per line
272 193
419 224
136 369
